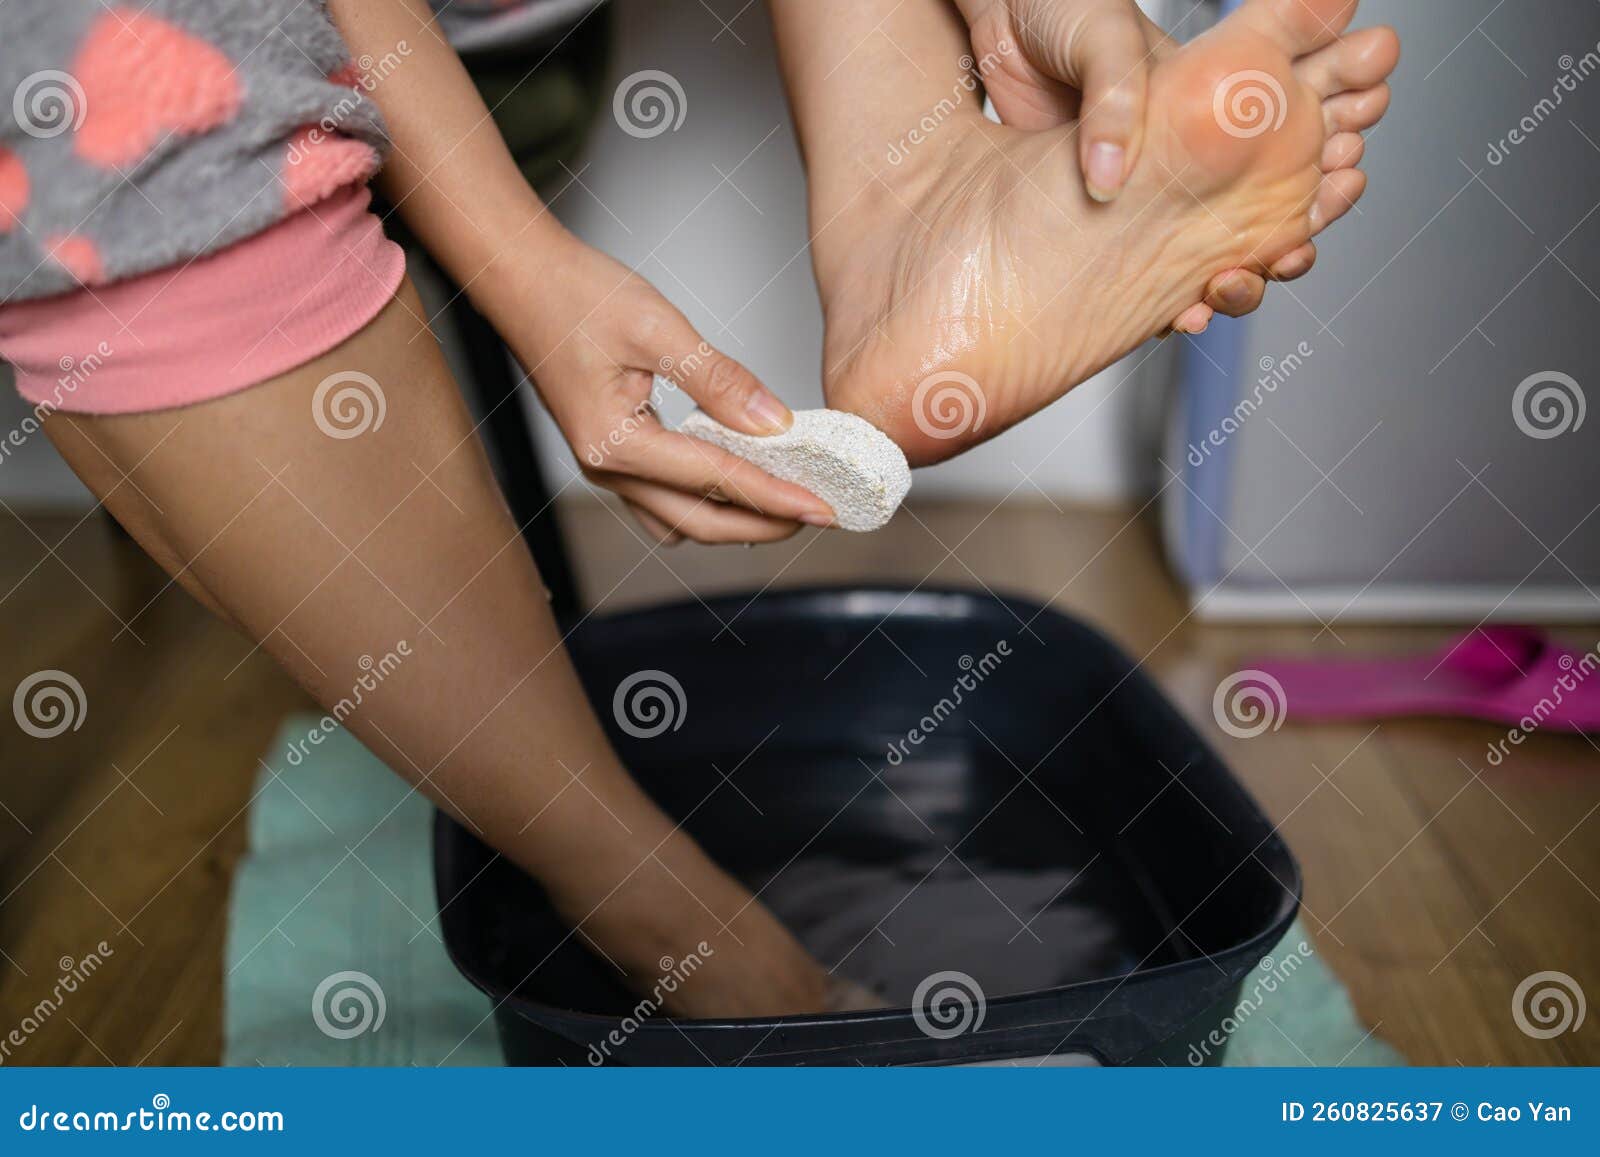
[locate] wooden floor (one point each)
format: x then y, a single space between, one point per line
1434 882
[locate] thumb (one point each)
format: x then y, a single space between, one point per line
1103 50
722 387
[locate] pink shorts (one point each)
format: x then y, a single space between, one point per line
218 324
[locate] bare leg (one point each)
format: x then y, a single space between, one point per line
330 549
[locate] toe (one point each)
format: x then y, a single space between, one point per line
1354 112
1236 292
1360 60
1195 319
1299 26
1337 193
1343 151
1295 264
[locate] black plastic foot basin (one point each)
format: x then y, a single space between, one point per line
976 806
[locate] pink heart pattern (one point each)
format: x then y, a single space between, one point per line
145 79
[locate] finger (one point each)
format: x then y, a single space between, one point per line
1028 97
1359 60
1195 319
1343 151
703 519
1236 292
723 388
654 527
1335 196
1296 263
696 467
1355 112
1109 58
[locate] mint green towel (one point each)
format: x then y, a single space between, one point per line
334 954
337 892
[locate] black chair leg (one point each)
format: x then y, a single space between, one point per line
511 440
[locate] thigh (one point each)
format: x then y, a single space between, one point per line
354 454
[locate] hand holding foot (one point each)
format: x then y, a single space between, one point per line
1001 284
1052 63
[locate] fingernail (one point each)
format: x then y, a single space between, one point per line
1104 176
769 413
811 519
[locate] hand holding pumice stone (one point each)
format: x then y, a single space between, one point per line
843 459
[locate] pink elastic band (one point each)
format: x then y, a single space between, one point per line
216 325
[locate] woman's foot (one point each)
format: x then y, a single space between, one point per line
1002 285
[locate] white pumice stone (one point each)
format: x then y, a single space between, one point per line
843 459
